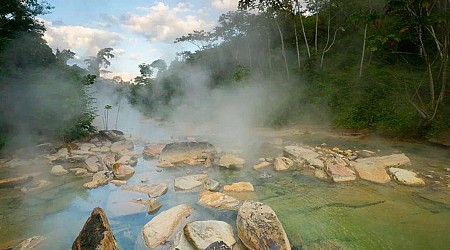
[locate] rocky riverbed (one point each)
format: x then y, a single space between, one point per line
185 188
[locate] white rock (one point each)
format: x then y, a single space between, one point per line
406 177
58 170
204 233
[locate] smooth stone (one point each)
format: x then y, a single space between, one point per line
153 151
181 242
99 179
338 170
190 182
258 227
261 165
239 187
230 160
121 147
303 155
96 233
152 205
118 182
30 243
123 171
373 168
406 177
58 170
218 200
203 233
161 227
92 164
282 163
153 191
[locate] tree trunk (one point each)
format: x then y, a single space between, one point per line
316 34
283 49
304 33
297 45
361 64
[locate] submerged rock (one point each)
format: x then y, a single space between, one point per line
152 205
15 181
190 182
258 227
282 163
58 170
239 187
36 186
230 160
303 155
406 177
153 191
153 151
320 174
218 200
212 185
78 171
162 226
30 243
121 147
261 165
96 233
119 182
202 234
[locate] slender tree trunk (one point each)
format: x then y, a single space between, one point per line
283 49
304 33
316 34
328 40
361 64
297 45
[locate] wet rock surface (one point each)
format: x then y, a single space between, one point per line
231 161
15 181
30 243
339 171
282 163
218 200
162 226
187 153
258 227
96 233
201 234
406 177
153 190
239 187
190 182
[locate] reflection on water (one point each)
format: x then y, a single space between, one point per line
356 215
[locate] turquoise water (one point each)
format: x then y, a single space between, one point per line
355 215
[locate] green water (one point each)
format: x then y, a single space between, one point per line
314 213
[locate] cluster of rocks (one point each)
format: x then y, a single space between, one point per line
344 165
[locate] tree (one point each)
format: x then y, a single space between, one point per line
99 63
64 56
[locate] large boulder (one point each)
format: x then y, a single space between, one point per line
190 182
218 200
373 168
258 227
99 179
406 177
338 170
202 234
122 171
186 153
162 226
93 164
239 187
282 163
231 161
303 155
153 191
96 233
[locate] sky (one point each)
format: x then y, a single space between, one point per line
140 31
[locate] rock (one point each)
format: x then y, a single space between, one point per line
212 185
230 160
99 179
365 153
58 170
121 147
15 181
261 165
265 175
37 186
282 163
186 152
78 171
218 200
162 226
201 234
30 243
218 245
258 227
46 148
320 174
112 135
338 170
92 164
153 191
152 205
190 182
96 233
181 243
122 171
119 182
239 187
373 168
62 154
81 152
406 177
153 151
303 155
